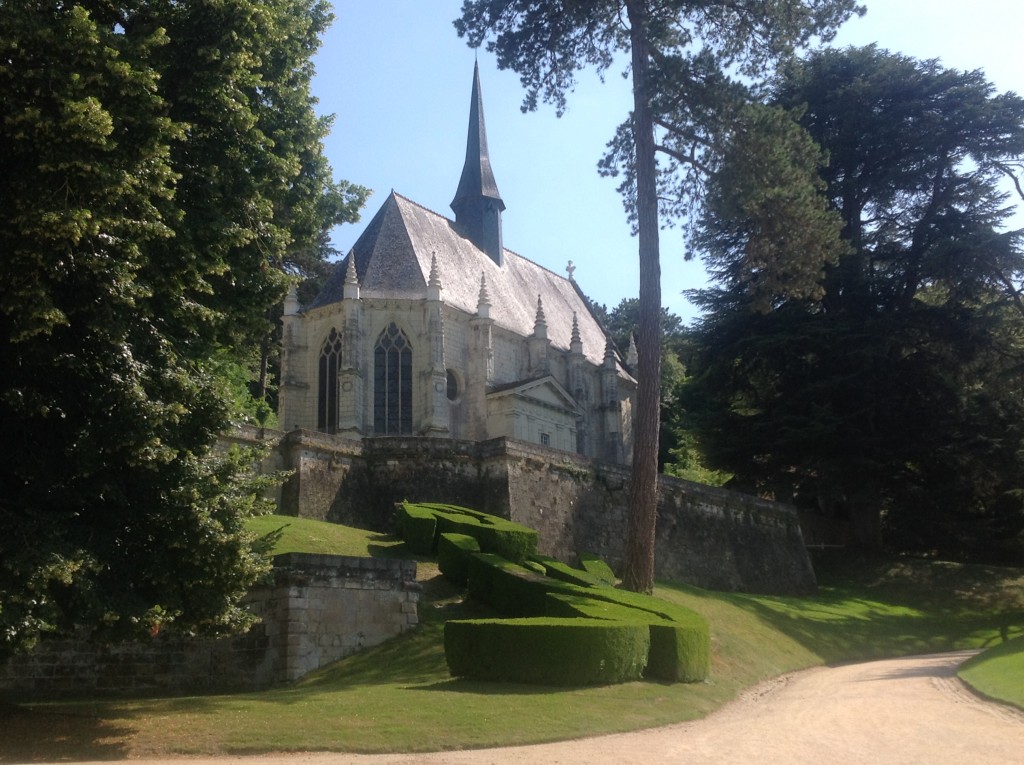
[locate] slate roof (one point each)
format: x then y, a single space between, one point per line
393 258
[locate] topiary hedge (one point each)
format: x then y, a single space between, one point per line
596 566
453 555
417 526
495 535
557 600
547 651
680 645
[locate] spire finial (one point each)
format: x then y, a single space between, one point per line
609 352
350 291
483 301
632 357
477 204
570 269
540 325
575 338
434 280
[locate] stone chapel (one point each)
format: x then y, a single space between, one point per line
430 327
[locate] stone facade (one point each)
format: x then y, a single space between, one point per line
319 609
430 327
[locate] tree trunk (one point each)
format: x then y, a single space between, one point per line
638 566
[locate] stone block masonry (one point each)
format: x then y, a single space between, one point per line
705 536
319 609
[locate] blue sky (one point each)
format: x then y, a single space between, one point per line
397 78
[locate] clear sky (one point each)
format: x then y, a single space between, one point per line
397 78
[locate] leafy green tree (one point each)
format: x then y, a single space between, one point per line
889 400
150 191
685 60
622 323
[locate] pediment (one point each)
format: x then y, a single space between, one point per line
546 391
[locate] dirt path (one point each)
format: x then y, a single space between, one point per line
912 710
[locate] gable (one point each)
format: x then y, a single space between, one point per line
544 391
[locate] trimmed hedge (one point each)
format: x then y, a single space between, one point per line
679 641
679 652
569 625
596 566
506 586
547 651
453 553
417 526
565 573
495 535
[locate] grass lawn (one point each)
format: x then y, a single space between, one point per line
998 672
399 697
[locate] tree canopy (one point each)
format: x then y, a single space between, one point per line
890 398
691 65
161 169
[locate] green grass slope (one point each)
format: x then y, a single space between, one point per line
399 697
998 673
309 536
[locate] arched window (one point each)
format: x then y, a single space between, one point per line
392 383
327 399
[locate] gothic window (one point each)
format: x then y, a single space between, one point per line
327 399
392 383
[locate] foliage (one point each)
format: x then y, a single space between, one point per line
685 60
887 399
768 233
161 160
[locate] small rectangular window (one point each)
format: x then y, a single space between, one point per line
545 439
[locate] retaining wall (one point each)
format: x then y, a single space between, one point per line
705 536
320 608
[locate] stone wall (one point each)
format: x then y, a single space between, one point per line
705 536
320 608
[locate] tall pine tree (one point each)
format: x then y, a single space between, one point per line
686 61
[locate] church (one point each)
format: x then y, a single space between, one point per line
431 327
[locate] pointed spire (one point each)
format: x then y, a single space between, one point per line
477 204
631 355
540 324
609 352
434 281
351 289
575 340
483 301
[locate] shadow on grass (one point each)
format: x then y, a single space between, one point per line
891 611
37 735
481 688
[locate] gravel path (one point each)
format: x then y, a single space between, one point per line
911 710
